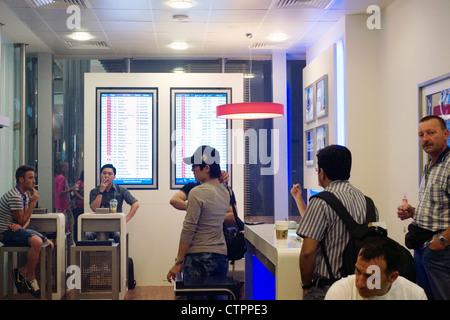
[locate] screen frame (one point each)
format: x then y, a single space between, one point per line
203 90
132 90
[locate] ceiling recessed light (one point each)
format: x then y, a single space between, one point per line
277 37
81 36
180 17
179 45
181 4
178 70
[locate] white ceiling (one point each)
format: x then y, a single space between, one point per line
144 28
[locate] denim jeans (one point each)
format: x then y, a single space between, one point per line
202 265
433 272
205 264
316 293
20 237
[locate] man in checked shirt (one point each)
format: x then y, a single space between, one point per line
433 211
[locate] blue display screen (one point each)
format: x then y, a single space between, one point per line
126 124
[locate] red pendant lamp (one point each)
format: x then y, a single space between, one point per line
250 110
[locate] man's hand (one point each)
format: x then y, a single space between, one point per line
51 243
14 227
33 197
104 184
405 211
171 275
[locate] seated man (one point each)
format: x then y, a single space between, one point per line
376 276
16 207
101 195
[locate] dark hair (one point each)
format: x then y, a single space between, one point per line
22 170
382 247
439 119
214 169
108 166
336 161
60 167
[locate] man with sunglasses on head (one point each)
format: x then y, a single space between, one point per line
202 250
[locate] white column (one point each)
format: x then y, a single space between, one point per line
280 144
45 125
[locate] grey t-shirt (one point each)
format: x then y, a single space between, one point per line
206 209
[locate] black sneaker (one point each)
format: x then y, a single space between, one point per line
33 288
19 280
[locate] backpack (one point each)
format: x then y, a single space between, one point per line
359 234
131 281
234 235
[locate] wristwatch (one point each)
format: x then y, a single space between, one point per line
307 287
178 261
443 241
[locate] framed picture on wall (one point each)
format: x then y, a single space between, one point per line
309 104
321 137
309 148
322 97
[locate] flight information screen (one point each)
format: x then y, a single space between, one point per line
127 135
194 123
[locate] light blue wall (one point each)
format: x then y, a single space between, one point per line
7 110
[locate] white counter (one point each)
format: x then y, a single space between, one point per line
280 257
97 222
54 222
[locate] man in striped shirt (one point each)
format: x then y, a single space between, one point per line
433 211
321 223
16 207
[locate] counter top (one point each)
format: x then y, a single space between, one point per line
281 257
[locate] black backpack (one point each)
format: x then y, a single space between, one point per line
131 281
359 233
234 235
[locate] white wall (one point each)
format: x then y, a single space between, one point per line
155 229
320 66
411 52
383 70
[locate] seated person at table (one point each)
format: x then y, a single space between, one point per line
376 276
101 195
16 207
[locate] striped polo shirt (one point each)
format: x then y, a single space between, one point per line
11 200
321 222
433 210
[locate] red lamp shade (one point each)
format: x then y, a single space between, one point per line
250 110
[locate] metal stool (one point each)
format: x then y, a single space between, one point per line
45 271
208 286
